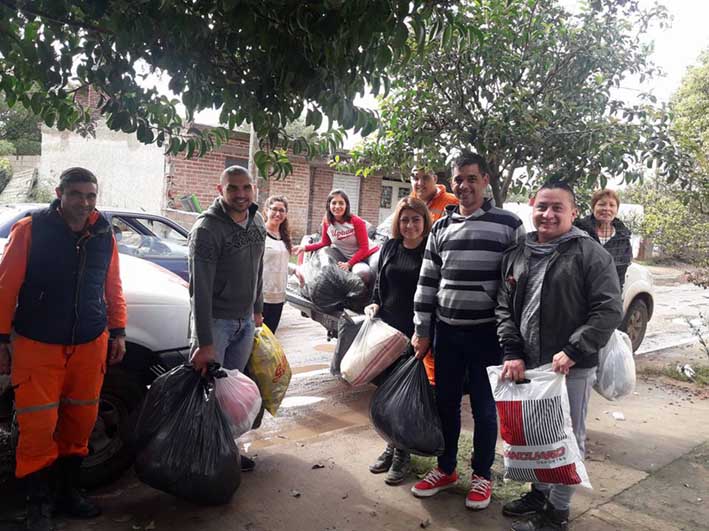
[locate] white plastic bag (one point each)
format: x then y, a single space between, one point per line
535 425
615 375
376 346
240 400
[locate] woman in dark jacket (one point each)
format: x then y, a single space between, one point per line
393 299
604 227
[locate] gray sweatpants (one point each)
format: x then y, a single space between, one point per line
579 383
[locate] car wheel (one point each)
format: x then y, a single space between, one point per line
110 454
635 322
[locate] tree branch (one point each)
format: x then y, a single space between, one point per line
49 18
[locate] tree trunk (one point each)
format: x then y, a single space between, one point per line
497 194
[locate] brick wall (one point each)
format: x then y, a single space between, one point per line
201 176
296 188
370 191
321 187
306 188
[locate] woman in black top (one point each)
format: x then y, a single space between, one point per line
604 226
393 299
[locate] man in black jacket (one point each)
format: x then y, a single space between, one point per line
559 302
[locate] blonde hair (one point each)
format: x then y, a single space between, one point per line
603 194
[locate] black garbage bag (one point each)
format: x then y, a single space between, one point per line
184 442
333 289
404 413
347 328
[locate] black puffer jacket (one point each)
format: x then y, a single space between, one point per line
580 303
618 246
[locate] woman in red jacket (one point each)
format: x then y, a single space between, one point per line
346 237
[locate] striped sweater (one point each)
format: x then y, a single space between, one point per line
461 267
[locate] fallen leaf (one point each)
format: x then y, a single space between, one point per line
316 466
295 493
425 523
345 495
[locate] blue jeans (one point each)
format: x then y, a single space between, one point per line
233 340
459 351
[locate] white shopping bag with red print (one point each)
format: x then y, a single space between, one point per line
535 424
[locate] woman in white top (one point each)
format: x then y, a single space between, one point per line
275 260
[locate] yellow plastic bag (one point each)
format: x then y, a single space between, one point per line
269 368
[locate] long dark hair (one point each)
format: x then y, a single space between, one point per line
330 217
283 228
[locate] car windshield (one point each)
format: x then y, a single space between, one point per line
164 242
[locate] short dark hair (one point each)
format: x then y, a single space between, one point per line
467 158
76 175
559 184
347 215
235 170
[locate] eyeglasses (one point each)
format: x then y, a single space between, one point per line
281 210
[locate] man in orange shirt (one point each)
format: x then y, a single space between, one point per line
424 186
60 290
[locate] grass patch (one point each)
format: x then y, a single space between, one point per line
502 490
701 377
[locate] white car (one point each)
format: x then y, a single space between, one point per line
157 340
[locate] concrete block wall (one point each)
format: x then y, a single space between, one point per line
22 163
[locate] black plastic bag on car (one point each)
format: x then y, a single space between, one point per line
184 441
333 290
404 412
347 328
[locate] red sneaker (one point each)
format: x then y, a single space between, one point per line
434 482
480 493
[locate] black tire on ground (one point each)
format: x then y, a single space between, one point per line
109 452
635 322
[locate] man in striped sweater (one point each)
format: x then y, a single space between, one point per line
454 307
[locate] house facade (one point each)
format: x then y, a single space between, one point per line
138 176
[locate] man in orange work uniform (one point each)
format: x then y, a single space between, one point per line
424 186
60 289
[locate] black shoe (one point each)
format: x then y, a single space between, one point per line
383 462
550 519
400 468
247 464
75 504
69 499
39 504
39 515
528 505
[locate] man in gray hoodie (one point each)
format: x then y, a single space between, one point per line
558 302
226 247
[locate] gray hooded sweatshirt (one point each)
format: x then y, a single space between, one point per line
226 268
